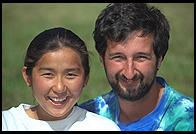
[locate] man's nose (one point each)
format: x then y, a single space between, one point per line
128 70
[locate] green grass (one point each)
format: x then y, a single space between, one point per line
22 22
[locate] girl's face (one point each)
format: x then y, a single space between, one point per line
57 82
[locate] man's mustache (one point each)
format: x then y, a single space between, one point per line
137 76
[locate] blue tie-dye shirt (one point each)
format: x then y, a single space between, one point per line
175 111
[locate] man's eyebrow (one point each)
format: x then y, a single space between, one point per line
116 53
143 53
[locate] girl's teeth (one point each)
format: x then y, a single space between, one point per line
57 99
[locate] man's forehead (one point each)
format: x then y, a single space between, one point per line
131 36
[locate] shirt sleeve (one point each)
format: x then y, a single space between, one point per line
4 123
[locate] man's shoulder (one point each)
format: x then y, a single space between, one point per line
174 97
180 100
94 105
179 114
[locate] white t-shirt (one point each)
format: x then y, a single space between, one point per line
16 119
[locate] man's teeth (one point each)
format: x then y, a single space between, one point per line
58 99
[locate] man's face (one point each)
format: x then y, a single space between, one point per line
131 66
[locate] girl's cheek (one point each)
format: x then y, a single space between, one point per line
76 85
40 84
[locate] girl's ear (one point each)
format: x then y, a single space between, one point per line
86 81
25 76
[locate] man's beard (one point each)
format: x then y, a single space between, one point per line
135 93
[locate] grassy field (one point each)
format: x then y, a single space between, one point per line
21 22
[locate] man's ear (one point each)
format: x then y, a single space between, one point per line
25 76
101 60
159 62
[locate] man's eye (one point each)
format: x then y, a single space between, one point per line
141 58
117 58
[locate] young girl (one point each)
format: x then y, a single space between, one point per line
56 67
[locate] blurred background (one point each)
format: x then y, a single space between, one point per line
21 22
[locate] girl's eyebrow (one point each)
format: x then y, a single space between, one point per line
66 70
71 69
46 68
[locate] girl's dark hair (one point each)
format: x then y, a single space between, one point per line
51 40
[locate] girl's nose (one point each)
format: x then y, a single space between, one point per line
59 86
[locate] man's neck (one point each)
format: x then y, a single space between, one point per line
132 111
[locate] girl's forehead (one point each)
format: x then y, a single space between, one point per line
60 56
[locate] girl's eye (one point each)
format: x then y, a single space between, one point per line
71 75
48 75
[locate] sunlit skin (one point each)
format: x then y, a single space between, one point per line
58 74
129 65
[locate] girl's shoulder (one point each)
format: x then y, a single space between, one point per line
95 122
14 111
12 116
